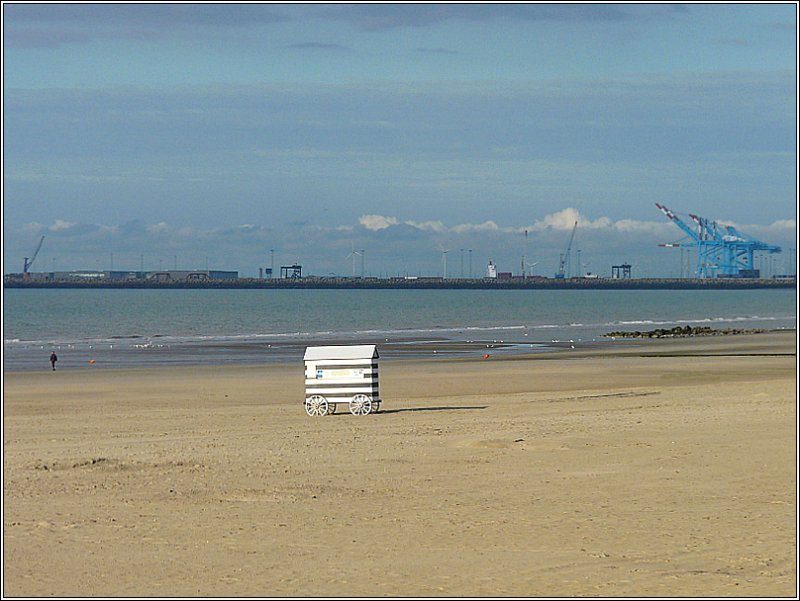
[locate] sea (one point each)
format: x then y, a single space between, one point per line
129 328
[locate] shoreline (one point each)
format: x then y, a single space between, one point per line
251 353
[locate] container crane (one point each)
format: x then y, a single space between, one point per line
28 262
565 256
720 248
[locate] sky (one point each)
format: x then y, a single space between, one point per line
239 137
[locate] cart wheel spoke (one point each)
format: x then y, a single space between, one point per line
316 405
360 404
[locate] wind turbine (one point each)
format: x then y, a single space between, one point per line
353 254
524 252
444 260
531 266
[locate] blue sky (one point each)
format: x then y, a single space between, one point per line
168 134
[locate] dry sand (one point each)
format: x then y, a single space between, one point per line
668 469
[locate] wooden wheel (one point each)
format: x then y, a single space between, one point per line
316 405
360 404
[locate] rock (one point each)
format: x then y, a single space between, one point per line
681 332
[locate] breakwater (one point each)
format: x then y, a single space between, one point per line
312 282
684 332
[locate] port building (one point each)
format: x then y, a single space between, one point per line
125 275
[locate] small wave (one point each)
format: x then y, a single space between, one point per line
423 332
697 320
491 328
633 322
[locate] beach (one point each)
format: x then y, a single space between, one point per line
654 468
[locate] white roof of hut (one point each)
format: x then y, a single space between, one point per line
354 351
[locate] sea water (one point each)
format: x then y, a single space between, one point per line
131 327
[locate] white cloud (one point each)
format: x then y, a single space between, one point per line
107 229
566 218
563 220
158 228
61 225
783 224
33 226
780 232
650 227
377 222
479 227
428 226
194 233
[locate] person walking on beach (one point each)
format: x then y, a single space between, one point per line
53 359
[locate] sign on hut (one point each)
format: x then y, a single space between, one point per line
342 375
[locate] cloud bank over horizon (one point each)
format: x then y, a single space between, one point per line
394 246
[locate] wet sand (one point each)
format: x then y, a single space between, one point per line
662 468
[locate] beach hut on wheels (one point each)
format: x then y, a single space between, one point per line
338 375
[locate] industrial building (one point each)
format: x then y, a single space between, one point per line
125 275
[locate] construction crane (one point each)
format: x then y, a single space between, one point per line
722 250
564 258
28 262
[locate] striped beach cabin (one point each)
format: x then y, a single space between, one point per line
342 374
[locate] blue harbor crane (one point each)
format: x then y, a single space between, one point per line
722 250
